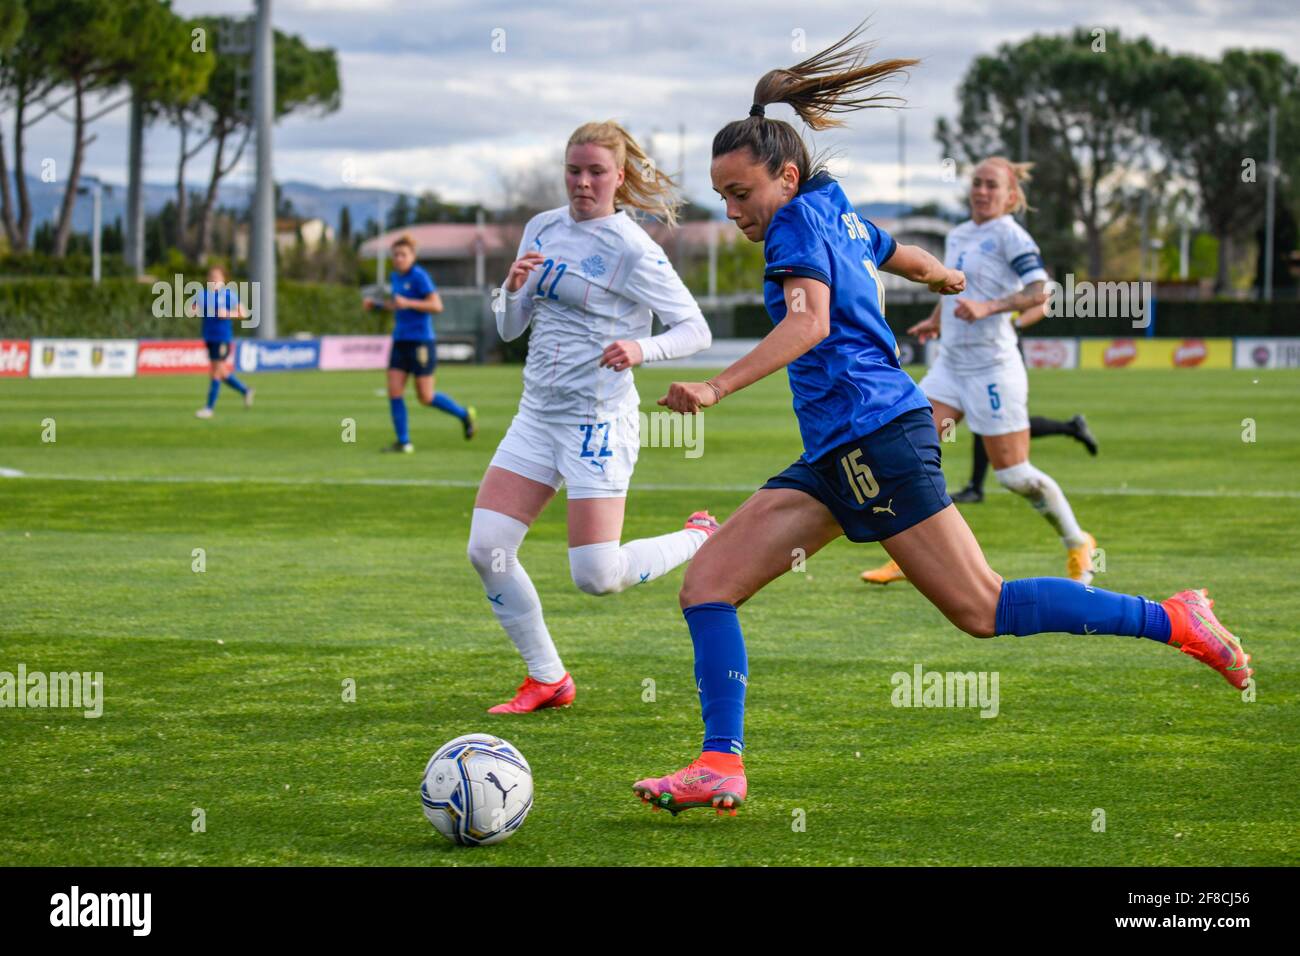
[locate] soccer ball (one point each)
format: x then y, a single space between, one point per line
477 789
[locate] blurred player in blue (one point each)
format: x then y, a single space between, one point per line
413 301
870 469
219 307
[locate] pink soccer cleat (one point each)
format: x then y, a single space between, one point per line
533 695
705 782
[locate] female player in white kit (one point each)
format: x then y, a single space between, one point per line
587 278
979 373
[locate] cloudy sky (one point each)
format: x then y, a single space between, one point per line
428 104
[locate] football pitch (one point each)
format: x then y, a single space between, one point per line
228 737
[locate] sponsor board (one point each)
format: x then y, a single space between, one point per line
172 357
1155 353
83 358
456 351
277 355
355 351
1050 353
14 354
1261 353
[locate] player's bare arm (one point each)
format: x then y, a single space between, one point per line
807 321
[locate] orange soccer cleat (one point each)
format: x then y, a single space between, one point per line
1195 631
887 573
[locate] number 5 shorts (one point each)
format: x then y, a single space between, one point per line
594 460
994 400
880 484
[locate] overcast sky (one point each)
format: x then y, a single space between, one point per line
427 104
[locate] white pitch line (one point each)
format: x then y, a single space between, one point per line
642 486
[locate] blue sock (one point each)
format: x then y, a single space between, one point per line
237 385
214 386
398 407
1045 605
441 401
721 674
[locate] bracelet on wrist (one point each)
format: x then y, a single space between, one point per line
717 392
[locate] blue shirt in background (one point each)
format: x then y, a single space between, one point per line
411 325
215 329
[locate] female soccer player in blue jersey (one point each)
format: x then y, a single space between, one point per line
870 467
219 308
414 302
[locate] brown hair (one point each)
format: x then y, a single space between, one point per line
832 81
404 240
645 186
1016 174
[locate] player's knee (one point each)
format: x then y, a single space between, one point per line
978 612
698 587
485 554
1021 479
596 579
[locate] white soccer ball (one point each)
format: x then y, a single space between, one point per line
477 789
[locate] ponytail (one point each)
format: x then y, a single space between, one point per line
836 80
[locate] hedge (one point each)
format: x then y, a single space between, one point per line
123 308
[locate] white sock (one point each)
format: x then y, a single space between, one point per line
494 541
1047 498
607 568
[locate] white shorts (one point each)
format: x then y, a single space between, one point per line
994 400
595 461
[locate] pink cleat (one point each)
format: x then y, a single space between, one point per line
702 521
533 695
713 780
1195 631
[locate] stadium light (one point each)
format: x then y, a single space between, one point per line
262 252
95 189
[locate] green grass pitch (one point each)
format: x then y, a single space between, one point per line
328 561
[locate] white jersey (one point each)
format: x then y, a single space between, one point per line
999 258
599 283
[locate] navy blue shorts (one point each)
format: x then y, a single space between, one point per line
880 484
418 358
218 351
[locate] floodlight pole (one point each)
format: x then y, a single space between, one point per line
262 264
1268 208
96 220
1146 188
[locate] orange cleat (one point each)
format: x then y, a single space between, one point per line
887 573
1078 561
702 521
713 780
1195 631
533 695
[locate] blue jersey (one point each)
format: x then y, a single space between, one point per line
850 383
412 325
215 329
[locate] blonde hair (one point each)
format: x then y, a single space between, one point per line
1016 173
404 240
645 186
